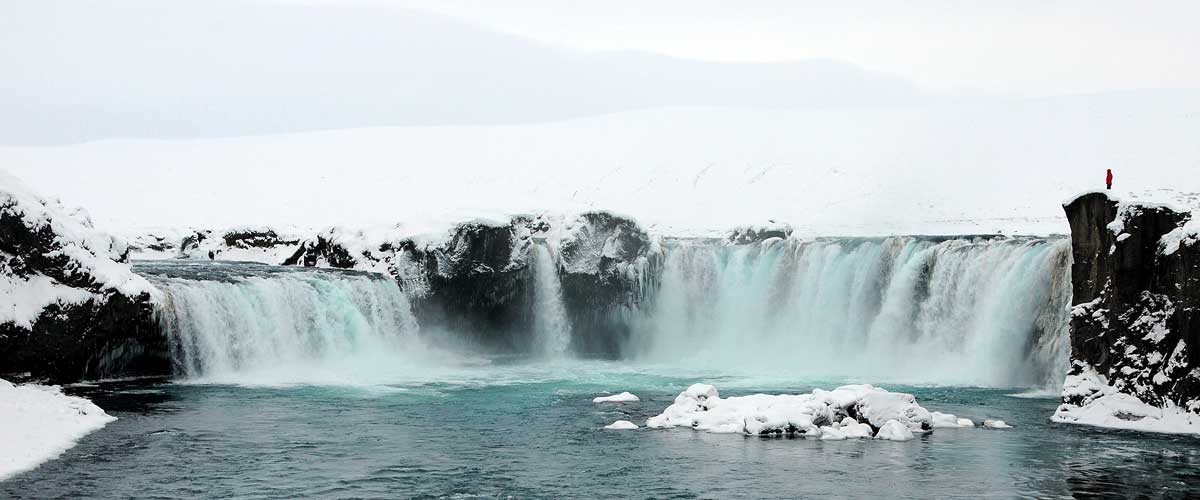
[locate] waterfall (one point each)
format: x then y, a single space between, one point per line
552 328
980 311
225 320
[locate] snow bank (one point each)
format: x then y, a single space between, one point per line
39 423
53 255
701 407
622 425
1090 400
624 397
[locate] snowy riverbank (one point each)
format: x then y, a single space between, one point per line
39 423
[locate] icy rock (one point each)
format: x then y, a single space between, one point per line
996 424
946 420
622 425
624 397
846 410
893 430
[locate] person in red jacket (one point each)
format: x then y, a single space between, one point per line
1108 179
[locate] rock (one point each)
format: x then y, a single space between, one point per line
744 235
622 425
1135 324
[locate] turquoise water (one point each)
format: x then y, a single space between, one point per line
507 428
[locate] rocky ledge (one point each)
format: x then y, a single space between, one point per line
1135 324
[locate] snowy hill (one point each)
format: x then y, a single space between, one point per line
970 167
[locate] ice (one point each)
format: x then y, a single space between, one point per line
39 423
996 424
624 397
622 425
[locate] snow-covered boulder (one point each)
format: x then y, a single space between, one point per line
622 425
70 306
947 421
701 407
624 397
1136 292
39 423
893 430
996 424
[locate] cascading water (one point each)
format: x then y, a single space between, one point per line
551 324
228 320
984 311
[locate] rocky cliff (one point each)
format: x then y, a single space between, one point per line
70 307
1135 324
477 278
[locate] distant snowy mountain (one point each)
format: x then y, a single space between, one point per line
964 168
235 67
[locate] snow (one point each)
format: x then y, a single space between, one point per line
952 168
39 423
1185 235
1104 406
624 397
701 408
893 430
622 425
996 424
946 420
90 254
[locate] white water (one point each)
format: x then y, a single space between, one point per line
983 312
285 326
552 327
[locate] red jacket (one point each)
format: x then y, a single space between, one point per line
1108 178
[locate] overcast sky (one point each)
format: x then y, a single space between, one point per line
1032 47
79 70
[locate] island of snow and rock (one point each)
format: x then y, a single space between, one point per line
72 309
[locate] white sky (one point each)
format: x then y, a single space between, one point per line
1024 47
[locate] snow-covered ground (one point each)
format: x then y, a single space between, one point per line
966 167
1104 406
39 423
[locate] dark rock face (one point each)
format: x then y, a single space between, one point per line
1136 319
608 266
479 281
117 337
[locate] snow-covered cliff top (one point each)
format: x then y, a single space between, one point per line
48 244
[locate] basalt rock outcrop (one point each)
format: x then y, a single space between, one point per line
478 278
1135 324
72 307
